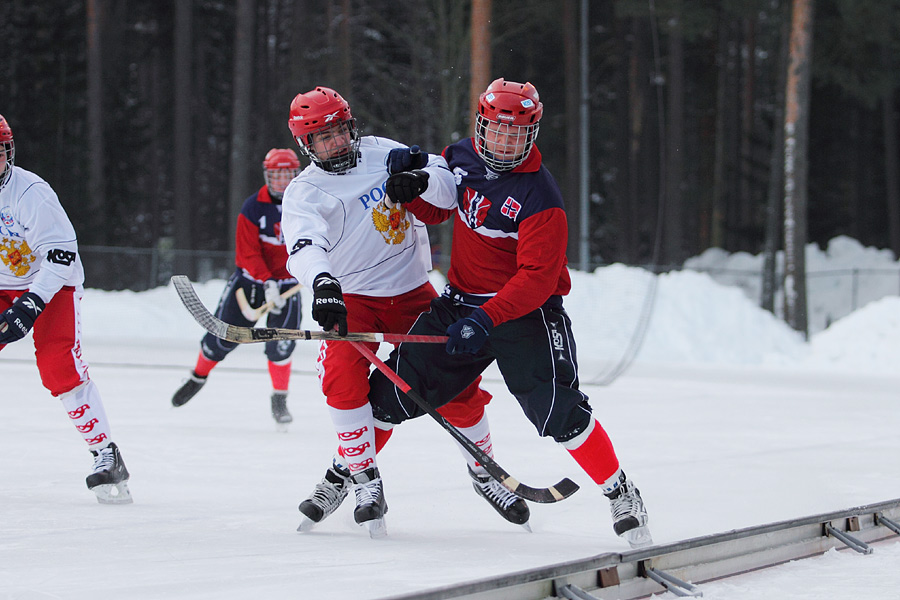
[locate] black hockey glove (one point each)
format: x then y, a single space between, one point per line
469 334
328 307
17 320
407 186
406 159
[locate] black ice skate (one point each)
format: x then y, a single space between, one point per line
629 514
109 481
370 504
328 495
279 408
510 506
188 390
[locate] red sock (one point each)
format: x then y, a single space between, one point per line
596 455
204 366
381 438
280 374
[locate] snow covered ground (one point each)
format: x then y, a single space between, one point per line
727 419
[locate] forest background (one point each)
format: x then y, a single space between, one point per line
151 119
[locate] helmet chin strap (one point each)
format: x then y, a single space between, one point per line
499 165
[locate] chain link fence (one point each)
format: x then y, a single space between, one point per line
832 293
139 269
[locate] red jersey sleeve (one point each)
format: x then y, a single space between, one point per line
540 267
248 252
428 213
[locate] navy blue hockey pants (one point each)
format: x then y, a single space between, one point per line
228 310
535 354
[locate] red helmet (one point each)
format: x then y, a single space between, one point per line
281 158
280 166
8 149
323 116
507 123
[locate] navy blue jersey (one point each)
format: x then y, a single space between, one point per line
510 234
499 202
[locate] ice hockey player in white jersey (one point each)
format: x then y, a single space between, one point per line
41 279
367 263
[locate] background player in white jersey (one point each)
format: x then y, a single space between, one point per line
261 276
366 263
41 279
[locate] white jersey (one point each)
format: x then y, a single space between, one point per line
340 224
38 249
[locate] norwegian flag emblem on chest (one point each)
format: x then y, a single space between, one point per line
475 207
510 208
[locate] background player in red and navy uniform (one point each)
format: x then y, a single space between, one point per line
260 256
504 301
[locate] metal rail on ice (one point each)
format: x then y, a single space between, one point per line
640 573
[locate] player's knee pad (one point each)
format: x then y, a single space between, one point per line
573 425
215 349
280 350
387 416
387 402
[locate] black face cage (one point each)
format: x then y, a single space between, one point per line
10 149
516 149
345 156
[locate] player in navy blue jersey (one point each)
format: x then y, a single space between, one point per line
504 300
260 279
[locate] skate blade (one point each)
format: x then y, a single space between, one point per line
281 427
377 528
306 524
113 493
527 527
639 537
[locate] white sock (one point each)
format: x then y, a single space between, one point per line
611 484
355 429
480 433
85 408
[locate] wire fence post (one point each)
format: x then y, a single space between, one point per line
154 269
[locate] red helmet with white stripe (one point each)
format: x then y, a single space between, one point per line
325 130
507 123
280 166
7 151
